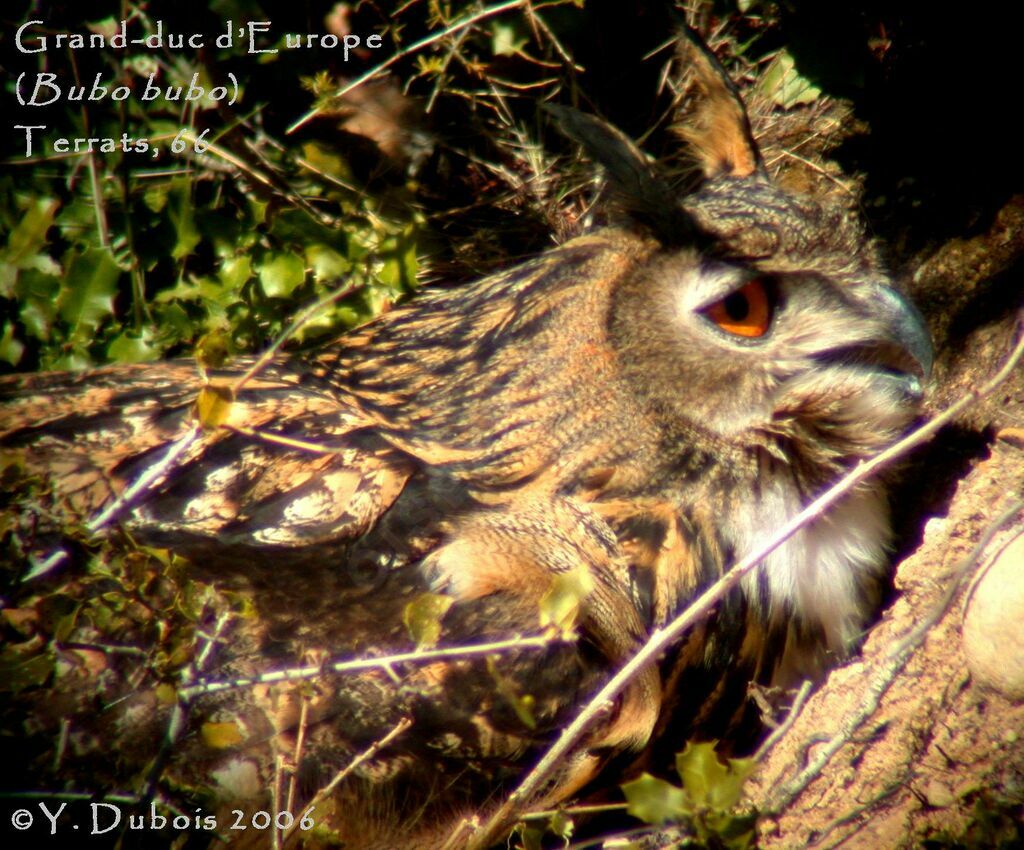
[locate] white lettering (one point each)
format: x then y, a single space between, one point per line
28 128
40 40
52 816
96 820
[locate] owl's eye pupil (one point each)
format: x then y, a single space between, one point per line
747 312
736 306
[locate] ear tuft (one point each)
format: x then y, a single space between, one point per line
717 129
644 193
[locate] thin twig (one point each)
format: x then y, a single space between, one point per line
301 319
149 479
596 809
346 771
418 656
105 648
300 740
99 209
275 802
661 639
406 51
898 785
282 440
71 797
815 167
62 743
539 22
794 712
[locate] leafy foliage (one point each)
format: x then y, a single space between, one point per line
423 617
224 223
706 801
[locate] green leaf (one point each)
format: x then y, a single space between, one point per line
37 294
54 608
327 160
72 358
11 349
655 801
142 65
213 349
235 271
505 41
399 262
220 736
29 235
181 213
560 606
175 323
522 704
106 27
8 279
530 837
166 693
327 264
281 274
213 294
258 209
707 781
422 617
128 347
561 825
733 832
77 222
783 84
213 405
155 197
21 669
86 297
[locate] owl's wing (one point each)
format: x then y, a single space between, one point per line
290 468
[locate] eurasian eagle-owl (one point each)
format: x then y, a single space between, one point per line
644 403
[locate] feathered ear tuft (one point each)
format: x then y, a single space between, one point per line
718 137
717 129
639 187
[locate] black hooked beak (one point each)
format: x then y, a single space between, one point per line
905 346
908 329
902 346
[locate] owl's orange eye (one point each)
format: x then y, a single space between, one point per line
745 312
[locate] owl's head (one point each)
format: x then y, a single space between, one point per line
766 317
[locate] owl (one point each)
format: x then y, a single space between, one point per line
612 423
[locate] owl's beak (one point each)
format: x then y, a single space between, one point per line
904 345
907 330
901 346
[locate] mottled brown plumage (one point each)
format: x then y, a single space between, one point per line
612 404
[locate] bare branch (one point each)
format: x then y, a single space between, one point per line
384 662
794 712
300 740
346 771
412 48
149 479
